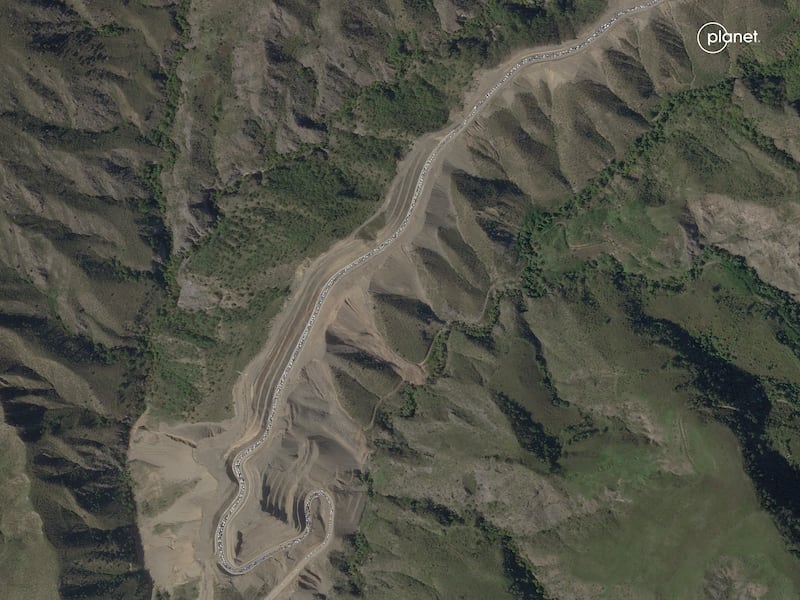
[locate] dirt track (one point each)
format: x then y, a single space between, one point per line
252 392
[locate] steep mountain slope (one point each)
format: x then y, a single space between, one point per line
567 350
559 404
80 269
133 131
290 122
611 404
291 118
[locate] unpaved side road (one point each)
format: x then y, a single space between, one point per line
223 542
211 455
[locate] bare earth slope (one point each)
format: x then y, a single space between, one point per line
459 255
539 389
81 242
618 405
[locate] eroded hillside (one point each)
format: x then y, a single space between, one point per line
291 120
608 386
589 323
82 246
139 140
536 382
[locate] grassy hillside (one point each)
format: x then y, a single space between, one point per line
167 166
266 174
82 267
624 413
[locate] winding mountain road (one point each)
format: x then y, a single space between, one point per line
310 302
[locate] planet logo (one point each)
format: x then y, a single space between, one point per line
713 38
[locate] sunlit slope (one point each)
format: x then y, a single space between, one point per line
81 257
291 119
611 398
22 529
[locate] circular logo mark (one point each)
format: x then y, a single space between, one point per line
712 37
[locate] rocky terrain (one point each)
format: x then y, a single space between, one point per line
509 361
136 139
81 268
569 411
580 362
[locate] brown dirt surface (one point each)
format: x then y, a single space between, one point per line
544 135
768 237
315 443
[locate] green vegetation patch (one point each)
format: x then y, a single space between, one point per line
433 539
359 403
410 325
663 398
411 105
530 434
735 309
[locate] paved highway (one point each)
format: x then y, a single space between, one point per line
266 411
